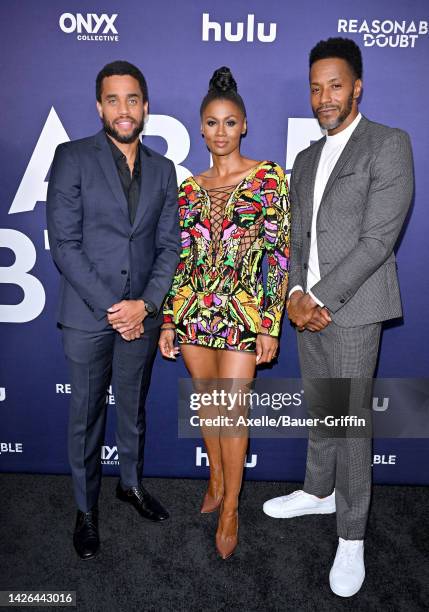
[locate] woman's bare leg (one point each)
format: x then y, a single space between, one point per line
240 368
201 363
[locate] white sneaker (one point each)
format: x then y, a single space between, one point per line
348 571
299 503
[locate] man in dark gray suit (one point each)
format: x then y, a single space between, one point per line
114 236
350 193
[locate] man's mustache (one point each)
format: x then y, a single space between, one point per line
324 108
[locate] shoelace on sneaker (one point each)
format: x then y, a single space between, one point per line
286 498
348 551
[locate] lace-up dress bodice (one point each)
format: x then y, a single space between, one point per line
218 298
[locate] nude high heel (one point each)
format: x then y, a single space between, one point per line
226 545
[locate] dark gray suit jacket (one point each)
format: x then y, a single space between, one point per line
92 240
361 214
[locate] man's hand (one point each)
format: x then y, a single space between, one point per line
134 333
126 315
166 343
300 309
266 348
320 319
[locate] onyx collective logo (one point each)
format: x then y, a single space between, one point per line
90 27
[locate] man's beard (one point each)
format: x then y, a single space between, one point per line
129 138
334 123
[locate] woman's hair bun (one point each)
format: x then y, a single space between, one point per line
222 87
222 80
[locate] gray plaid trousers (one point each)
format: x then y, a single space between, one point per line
341 462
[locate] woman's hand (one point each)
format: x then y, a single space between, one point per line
266 348
166 343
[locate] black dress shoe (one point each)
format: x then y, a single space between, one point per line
146 505
85 538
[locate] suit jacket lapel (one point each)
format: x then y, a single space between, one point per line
345 156
313 163
107 163
146 174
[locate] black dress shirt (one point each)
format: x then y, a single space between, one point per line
130 184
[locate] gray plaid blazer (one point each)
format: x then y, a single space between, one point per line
361 214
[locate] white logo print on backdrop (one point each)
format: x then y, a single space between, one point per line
385 33
90 27
237 32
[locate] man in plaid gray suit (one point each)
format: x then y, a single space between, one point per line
350 193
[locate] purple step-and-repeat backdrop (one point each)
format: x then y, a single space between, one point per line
51 51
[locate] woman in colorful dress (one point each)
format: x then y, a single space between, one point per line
226 323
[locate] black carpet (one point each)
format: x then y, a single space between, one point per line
279 564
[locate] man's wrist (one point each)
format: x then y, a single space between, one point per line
309 302
315 299
295 289
150 307
296 296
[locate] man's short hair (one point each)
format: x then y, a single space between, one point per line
343 48
120 68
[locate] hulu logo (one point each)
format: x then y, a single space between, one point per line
212 30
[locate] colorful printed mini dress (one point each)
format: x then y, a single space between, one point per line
218 299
